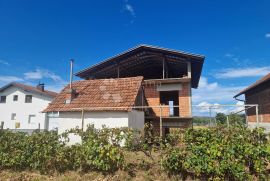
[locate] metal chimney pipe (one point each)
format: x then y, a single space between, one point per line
71 73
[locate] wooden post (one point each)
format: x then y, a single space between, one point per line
117 69
189 70
228 123
257 114
39 127
163 68
160 121
82 119
210 114
2 125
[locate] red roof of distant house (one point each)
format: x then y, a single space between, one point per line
98 95
257 83
30 89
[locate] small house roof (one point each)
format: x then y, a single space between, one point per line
252 86
98 95
29 88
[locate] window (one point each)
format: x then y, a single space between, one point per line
13 116
28 98
15 98
3 99
170 98
31 118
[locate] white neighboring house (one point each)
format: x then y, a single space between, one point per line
21 106
99 102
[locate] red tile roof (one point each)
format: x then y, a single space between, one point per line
30 89
257 83
99 95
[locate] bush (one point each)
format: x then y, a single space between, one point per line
220 153
234 153
47 151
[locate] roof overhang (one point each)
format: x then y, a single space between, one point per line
259 82
139 58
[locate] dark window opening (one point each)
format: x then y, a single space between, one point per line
15 98
3 99
28 98
170 98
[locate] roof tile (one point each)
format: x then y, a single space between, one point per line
99 95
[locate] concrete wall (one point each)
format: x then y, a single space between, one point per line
68 120
22 109
136 119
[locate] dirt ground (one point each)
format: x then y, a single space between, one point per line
140 167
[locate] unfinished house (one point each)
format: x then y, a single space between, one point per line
168 77
258 93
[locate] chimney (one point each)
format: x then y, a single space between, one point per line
70 93
40 87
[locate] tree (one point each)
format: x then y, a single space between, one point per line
221 118
237 119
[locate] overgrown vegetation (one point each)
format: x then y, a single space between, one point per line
219 153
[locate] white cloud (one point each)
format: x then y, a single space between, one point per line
4 62
130 9
214 93
41 74
7 79
229 55
203 84
267 35
242 72
54 82
206 109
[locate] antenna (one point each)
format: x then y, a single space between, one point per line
71 73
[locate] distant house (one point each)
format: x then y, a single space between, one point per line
158 79
21 106
258 93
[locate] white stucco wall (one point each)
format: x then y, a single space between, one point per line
136 119
68 120
22 109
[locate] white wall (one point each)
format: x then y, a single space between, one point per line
22 109
67 120
136 119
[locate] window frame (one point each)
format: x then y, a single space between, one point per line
5 99
26 100
13 116
15 96
29 118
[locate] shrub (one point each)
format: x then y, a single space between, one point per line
220 153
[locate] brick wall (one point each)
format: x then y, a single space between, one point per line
184 101
264 118
153 99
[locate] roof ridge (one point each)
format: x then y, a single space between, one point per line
29 87
255 84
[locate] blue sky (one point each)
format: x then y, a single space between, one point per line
37 38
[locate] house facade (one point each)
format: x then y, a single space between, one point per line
162 96
258 93
21 106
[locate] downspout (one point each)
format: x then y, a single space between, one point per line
235 97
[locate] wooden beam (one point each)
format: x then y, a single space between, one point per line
189 69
